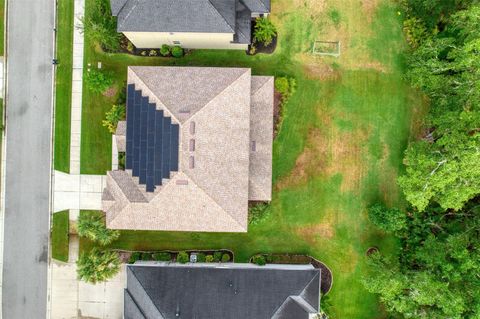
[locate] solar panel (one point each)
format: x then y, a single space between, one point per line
152 141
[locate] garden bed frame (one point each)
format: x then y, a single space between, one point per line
326 48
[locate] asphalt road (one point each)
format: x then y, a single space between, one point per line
28 158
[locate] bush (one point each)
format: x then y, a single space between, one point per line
201 258
217 256
112 117
265 31
183 257
165 50
135 256
225 258
258 213
130 47
390 220
92 226
162 256
177 52
285 86
97 80
259 260
146 256
209 259
97 265
100 26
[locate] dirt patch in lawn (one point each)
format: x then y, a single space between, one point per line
111 91
316 69
312 233
369 7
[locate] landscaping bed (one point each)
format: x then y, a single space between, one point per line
297 259
209 256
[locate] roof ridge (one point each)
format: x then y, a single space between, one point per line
223 18
151 93
263 84
259 188
143 287
129 12
308 285
213 200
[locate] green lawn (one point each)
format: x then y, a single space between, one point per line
60 229
339 150
63 95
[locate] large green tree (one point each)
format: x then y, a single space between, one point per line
436 271
101 27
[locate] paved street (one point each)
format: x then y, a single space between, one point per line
28 158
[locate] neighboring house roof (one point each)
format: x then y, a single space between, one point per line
171 291
220 158
209 16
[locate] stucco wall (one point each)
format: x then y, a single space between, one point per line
189 40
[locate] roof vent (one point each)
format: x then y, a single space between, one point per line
182 182
254 146
192 128
192 162
184 111
192 145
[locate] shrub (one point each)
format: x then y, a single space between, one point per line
201 257
217 256
388 219
152 53
285 86
97 265
415 31
146 256
134 257
265 31
143 53
112 117
209 258
177 52
100 26
225 258
258 213
130 47
162 256
121 160
92 226
259 260
97 80
182 257
165 50
334 16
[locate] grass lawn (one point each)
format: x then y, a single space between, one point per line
63 95
60 236
339 150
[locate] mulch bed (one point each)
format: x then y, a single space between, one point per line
267 49
277 112
327 276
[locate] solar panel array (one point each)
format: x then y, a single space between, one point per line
152 141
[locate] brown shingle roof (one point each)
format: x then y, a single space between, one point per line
212 188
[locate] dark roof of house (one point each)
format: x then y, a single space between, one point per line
212 16
171 291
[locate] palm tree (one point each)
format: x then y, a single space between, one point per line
92 226
97 265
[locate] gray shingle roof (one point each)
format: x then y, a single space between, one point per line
235 291
258 6
176 16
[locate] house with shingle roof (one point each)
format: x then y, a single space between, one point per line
195 24
198 148
220 291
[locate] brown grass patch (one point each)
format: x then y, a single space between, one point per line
369 7
313 233
316 68
110 92
315 7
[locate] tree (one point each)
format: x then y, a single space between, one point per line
387 219
98 81
265 31
92 226
100 26
97 265
112 117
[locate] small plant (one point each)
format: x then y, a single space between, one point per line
121 160
182 257
97 80
258 213
97 265
130 47
225 258
217 256
146 256
152 53
252 49
201 258
135 256
177 52
143 53
165 50
162 256
259 260
92 226
335 17
285 86
112 117
265 31
209 259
